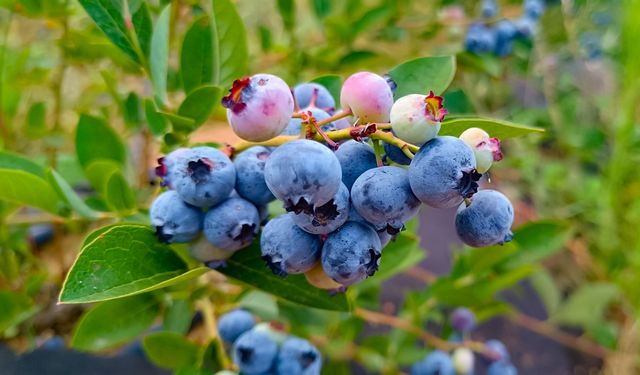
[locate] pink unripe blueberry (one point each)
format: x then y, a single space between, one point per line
416 118
259 107
486 149
368 96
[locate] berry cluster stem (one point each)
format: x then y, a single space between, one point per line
208 313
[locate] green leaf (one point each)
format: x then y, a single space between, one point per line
287 9
261 304
123 261
119 195
95 139
229 44
132 115
199 104
25 188
112 323
142 24
36 121
107 14
177 316
67 194
99 171
586 306
180 123
16 308
321 8
538 240
10 160
496 128
170 350
420 75
159 55
247 266
157 123
196 55
547 289
333 83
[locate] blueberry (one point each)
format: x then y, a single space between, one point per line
416 118
355 158
368 96
313 95
259 107
328 217
174 220
486 149
480 39
463 361
40 234
250 175
351 253
202 176
234 323
166 164
395 154
533 8
286 248
232 225
489 8
298 357
526 27
505 31
303 174
498 351
486 221
502 368
255 352
293 128
436 363
383 197
383 235
463 320
443 172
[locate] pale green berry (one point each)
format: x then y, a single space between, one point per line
416 118
463 361
486 149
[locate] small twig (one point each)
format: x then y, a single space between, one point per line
208 314
334 117
377 148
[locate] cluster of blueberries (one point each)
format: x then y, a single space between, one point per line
462 360
498 38
261 349
343 203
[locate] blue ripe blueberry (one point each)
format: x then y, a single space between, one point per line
355 158
395 154
489 8
443 172
533 8
498 351
258 107
286 248
436 363
505 31
313 95
383 235
351 253
480 39
298 357
250 175
202 176
463 320
303 174
383 197
526 27
234 323
255 352
486 220
232 225
502 368
293 128
174 220
328 217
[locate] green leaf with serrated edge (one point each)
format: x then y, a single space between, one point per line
123 261
36 121
496 128
159 55
10 160
177 316
170 350
109 19
333 83
420 75
587 305
66 193
538 240
199 104
25 188
196 55
229 44
118 194
247 266
95 139
99 171
157 123
142 24
112 323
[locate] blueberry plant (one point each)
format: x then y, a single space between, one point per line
266 254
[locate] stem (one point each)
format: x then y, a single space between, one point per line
211 326
335 116
377 148
388 137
